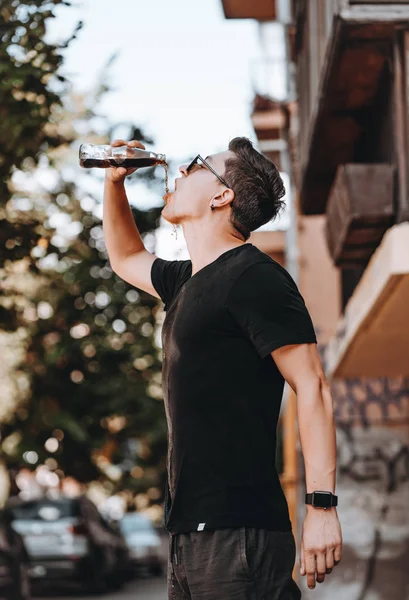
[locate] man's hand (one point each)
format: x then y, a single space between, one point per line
118 174
321 544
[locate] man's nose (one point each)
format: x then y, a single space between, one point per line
183 170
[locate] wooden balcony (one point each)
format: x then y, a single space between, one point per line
261 10
270 123
345 61
359 211
372 339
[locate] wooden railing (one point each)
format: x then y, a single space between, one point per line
317 25
314 27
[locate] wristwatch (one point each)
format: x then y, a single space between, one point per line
321 499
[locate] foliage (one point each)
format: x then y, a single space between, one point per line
30 85
90 364
91 360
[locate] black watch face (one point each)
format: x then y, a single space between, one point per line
322 499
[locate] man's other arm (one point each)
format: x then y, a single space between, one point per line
321 543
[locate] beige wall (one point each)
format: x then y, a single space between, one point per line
270 242
371 417
319 280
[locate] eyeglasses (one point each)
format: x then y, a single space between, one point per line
196 160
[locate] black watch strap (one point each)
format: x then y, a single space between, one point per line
321 499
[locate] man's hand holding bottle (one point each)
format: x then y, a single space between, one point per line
118 174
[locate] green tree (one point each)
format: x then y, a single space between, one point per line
91 369
31 92
92 362
30 85
91 358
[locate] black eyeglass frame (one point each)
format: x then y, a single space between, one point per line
206 164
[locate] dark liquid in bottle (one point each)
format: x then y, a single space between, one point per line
128 163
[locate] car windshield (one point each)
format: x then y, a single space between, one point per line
46 510
133 523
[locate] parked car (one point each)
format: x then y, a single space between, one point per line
67 538
14 580
143 541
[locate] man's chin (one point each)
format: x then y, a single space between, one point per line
168 216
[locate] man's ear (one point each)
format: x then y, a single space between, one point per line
223 199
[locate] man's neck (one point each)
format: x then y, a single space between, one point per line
206 246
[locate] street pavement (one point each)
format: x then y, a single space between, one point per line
146 588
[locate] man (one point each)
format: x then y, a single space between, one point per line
236 328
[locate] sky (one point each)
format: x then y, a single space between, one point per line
183 72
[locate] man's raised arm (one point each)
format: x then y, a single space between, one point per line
127 254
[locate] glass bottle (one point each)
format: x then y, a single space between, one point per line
104 156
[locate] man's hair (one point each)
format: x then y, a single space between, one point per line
257 185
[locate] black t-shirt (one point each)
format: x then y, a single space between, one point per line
222 388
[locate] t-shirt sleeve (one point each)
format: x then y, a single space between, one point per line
267 306
168 276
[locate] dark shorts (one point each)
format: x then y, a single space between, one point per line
232 564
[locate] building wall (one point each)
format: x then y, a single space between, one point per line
372 421
372 418
319 280
270 242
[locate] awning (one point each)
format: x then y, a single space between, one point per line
262 10
372 339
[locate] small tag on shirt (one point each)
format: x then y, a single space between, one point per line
201 526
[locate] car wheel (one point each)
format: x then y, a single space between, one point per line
117 576
21 585
96 583
25 588
157 570
95 579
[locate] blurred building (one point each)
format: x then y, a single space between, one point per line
343 127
